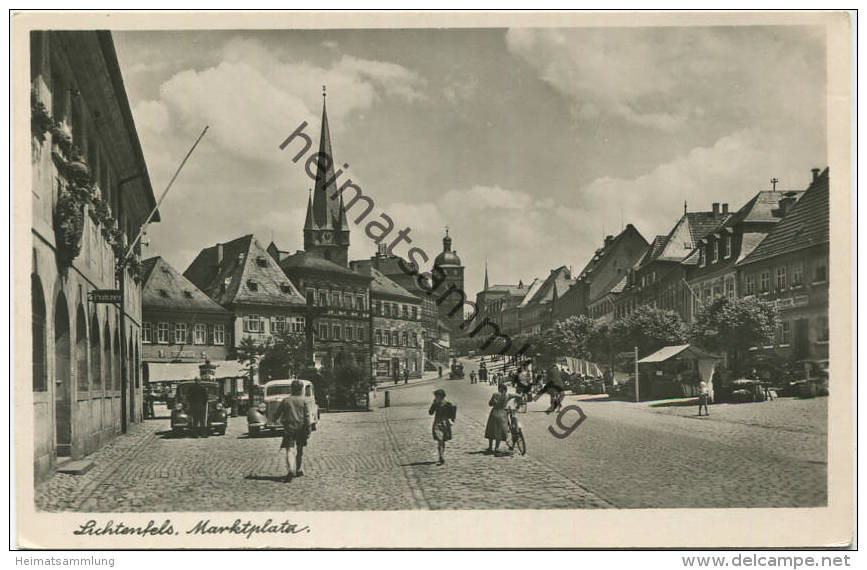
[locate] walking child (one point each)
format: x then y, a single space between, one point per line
444 413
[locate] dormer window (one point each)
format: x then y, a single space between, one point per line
252 285
285 288
261 261
701 258
164 293
715 251
188 294
728 249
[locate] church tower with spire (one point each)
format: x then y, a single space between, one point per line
326 231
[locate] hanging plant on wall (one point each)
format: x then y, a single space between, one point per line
41 122
68 225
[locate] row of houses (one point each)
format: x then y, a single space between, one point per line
775 247
369 312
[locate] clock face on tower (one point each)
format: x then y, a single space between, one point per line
326 237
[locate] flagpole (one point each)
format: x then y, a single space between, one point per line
126 392
160 201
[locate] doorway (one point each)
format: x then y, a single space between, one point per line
62 379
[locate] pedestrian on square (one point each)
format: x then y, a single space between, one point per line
472 376
444 413
294 414
406 375
197 398
440 369
703 397
497 428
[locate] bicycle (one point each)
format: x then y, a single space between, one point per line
516 433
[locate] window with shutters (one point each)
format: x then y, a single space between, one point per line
797 274
765 281
180 333
278 324
200 333
750 284
220 334
781 277
252 323
163 333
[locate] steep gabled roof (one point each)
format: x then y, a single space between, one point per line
601 253
559 278
246 274
531 292
164 288
382 285
807 224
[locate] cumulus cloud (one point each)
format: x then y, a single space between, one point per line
660 78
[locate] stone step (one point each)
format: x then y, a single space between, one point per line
75 467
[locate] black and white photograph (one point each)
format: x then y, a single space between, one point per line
493 266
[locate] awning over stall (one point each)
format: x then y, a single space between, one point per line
680 351
180 371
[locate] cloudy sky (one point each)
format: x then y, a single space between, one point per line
529 144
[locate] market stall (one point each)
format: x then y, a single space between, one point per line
675 372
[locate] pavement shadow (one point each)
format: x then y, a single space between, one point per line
261 435
417 463
169 434
275 478
676 404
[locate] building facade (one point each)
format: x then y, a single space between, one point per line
90 196
790 269
605 270
397 330
711 267
434 333
241 277
658 278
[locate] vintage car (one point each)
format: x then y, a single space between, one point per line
457 371
216 414
264 416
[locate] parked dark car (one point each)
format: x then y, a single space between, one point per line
217 416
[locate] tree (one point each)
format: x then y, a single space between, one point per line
249 353
284 355
569 337
734 325
648 328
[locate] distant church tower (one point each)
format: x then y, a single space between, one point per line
449 262
326 231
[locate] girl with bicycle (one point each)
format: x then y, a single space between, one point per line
497 428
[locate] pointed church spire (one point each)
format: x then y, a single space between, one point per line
325 209
486 274
308 221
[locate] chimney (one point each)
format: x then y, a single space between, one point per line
609 240
785 205
382 250
715 207
816 172
219 254
725 208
